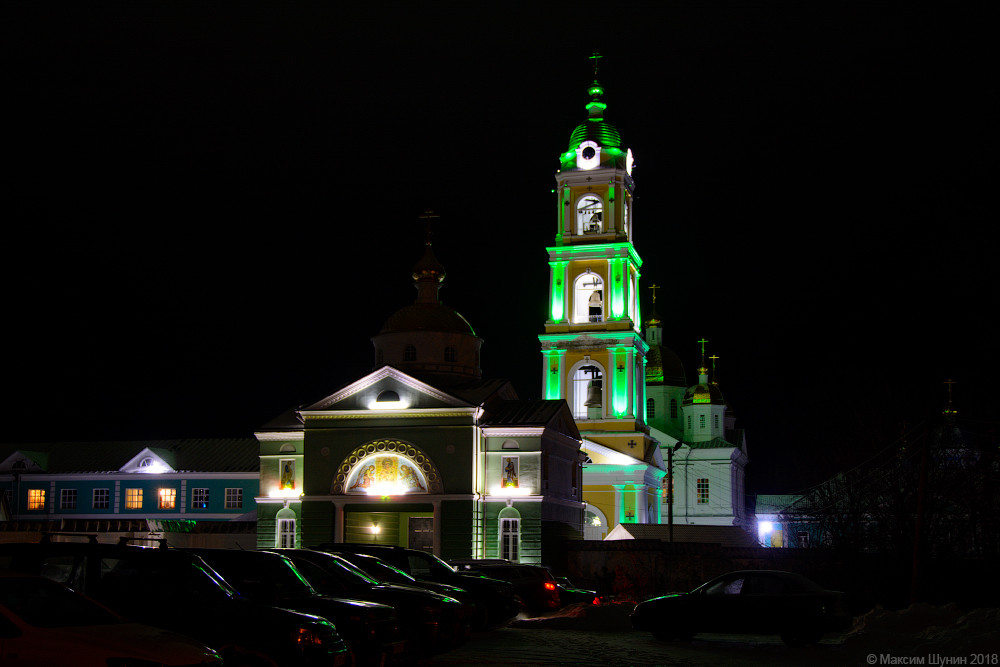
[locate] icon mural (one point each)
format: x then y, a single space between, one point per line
387 472
508 465
287 474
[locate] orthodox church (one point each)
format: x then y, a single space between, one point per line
627 392
424 452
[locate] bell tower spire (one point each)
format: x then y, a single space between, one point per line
593 352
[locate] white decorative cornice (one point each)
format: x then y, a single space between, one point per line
279 436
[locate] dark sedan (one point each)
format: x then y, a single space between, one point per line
749 601
432 622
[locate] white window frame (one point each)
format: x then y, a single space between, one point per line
101 499
510 538
234 498
285 534
581 297
200 498
67 499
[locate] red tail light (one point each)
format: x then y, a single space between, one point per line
549 586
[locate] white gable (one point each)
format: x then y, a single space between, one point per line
363 393
147 462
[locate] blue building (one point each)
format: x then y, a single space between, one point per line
192 492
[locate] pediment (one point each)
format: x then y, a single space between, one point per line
390 386
149 461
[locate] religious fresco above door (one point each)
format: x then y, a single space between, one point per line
387 468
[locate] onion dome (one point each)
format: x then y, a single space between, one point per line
595 128
663 366
703 392
428 339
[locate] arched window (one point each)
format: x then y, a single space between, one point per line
589 214
588 392
595 524
510 534
650 408
588 298
449 354
284 537
409 353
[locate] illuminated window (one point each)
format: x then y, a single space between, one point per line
36 499
588 298
286 534
102 499
673 408
168 499
133 499
509 538
146 462
702 490
409 353
67 499
199 499
234 498
449 354
650 408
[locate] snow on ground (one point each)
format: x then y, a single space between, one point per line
920 629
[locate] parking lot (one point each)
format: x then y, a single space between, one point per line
547 646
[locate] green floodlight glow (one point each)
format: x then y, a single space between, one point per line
617 288
558 290
619 399
597 105
553 361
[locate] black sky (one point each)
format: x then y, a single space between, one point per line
211 208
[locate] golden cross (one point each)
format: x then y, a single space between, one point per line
654 287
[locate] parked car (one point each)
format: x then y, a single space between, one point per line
377 568
533 584
178 591
42 622
370 629
431 622
571 594
495 598
747 601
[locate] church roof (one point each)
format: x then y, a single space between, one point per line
427 317
189 455
714 443
524 413
595 128
663 366
704 392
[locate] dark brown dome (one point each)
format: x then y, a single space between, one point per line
427 317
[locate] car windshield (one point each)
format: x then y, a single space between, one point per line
46 604
379 569
260 576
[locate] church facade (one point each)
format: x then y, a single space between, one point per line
423 452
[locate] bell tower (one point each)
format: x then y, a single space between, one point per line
593 353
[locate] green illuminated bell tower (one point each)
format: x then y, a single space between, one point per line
593 353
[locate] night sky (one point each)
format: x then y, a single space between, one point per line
211 208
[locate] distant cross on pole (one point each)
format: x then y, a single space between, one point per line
949 410
428 217
595 57
713 358
654 287
702 342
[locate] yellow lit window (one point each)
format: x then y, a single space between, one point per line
168 499
36 499
133 499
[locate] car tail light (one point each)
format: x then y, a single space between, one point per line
549 586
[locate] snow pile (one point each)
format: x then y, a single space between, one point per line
923 629
591 618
